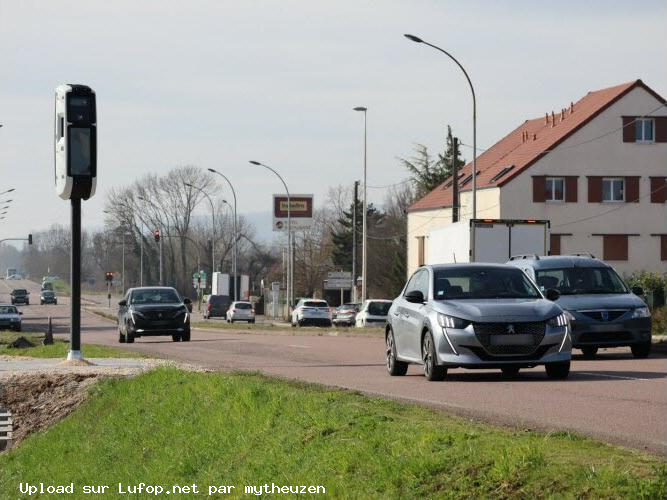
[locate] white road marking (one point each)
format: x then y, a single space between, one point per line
611 376
299 346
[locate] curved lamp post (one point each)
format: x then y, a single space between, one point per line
474 119
235 250
213 218
290 254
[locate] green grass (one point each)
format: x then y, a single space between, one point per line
169 427
223 325
58 349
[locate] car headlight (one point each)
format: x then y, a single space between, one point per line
447 321
569 316
641 312
135 313
560 320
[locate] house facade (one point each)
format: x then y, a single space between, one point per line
596 169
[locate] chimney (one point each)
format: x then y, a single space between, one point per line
562 114
553 119
571 107
546 118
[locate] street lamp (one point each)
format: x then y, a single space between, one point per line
125 233
213 219
290 253
364 222
142 247
235 249
474 120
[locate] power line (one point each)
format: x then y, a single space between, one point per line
390 185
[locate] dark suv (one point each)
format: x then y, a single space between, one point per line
216 305
20 296
148 311
602 311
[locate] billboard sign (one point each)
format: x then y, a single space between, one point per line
301 211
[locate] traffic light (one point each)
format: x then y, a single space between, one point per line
156 235
30 239
108 276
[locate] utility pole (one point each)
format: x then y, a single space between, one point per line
354 241
455 184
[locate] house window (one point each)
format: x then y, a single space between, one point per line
644 128
555 189
613 189
420 250
615 246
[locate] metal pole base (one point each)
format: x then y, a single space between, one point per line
74 355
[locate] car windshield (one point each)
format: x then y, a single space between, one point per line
347 307
315 303
20 292
217 300
378 308
478 282
8 310
580 280
154 296
47 294
243 305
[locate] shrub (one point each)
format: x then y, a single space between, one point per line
659 321
648 280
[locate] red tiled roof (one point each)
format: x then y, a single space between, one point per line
519 153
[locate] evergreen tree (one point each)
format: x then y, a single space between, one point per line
341 255
427 173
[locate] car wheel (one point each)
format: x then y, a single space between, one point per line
55 302
41 302
432 371
175 338
510 371
185 337
27 302
129 337
589 352
560 369
121 337
18 328
251 321
395 367
641 350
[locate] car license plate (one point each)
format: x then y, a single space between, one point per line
519 339
606 328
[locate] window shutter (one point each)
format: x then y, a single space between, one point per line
658 189
571 189
539 189
661 129
595 189
554 244
628 129
663 247
632 189
615 247
420 250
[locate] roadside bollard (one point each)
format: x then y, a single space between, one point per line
48 338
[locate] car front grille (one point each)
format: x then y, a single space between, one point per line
602 316
499 331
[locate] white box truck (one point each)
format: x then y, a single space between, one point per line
487 240
222 285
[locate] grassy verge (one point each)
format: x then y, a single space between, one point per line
169 427
223 325
58 349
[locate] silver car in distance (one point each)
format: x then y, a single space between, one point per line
476 316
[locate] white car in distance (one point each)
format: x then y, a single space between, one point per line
373 313
311 311
240 311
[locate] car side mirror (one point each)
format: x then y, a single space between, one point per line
122 303
637 290
415 297
187 301
552 294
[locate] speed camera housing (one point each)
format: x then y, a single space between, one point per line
75 134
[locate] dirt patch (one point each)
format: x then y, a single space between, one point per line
39 401
20 343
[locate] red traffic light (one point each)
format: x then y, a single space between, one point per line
108 276
156 235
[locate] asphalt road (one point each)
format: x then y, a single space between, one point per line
615 398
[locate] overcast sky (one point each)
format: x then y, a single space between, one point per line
217 83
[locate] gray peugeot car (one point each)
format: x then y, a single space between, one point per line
601 309
476 316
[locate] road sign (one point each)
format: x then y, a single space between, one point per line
338 284
339 275
301 211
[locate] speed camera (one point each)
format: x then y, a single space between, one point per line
75 141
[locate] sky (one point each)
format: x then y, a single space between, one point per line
218 83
